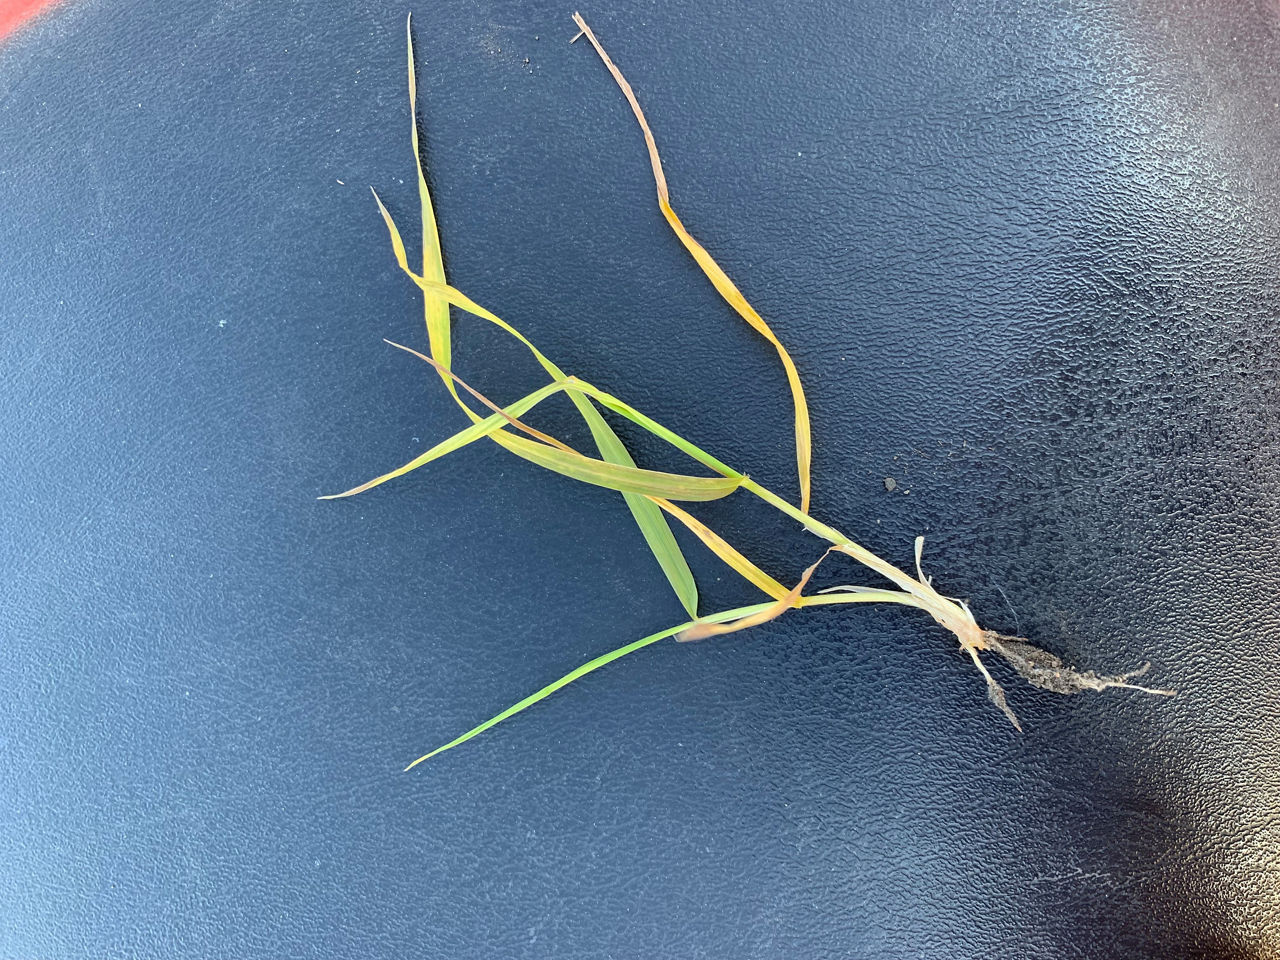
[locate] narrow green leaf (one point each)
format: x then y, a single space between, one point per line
460 439
610 402
588 667
653 525
615 476
549 453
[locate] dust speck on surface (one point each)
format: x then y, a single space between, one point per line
890 484
500 42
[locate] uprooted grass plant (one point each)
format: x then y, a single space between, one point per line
652 496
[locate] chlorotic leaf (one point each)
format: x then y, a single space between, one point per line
615 476
653 526
435 311
719 279
702 629
483 428
726 551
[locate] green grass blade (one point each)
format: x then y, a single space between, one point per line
615 476
653 525
460 439
588 667
610 402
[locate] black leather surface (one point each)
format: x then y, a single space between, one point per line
1024 255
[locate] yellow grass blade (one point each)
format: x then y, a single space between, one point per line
550 453
702 630
461 300
435 311
601 473
653 526
483 428
719 279
397 242
726 552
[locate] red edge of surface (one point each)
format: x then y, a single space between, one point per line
14 13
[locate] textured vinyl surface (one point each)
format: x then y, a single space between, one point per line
1025 256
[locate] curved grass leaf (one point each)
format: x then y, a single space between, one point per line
703 629
483 428
615 476
582 671
580 467
653 526
719 279
726 552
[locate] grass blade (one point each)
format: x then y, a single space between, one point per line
703 629
550 453
483 428
610 402
582 671
443 292
397 242
726 552
615 476
652 524
719 279
459 299
435 311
